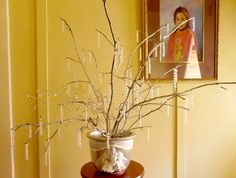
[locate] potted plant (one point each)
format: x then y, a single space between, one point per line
109 116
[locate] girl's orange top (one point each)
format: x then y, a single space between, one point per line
180 45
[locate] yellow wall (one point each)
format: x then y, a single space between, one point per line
210 134
23 53
5 108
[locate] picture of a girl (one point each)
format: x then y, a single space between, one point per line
183 41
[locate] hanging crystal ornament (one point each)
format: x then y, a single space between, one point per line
108 141
155 52
167 28
12 139
137 36
163 47
79 138
126 85
83 56
86 116
193 21
68 92
40 126
140 54
149 66
175 79
30 131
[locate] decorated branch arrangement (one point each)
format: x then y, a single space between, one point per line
128 98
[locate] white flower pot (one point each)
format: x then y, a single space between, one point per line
114 159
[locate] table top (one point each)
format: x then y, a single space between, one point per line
134 170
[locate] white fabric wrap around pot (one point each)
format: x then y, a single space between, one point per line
98 145
115 159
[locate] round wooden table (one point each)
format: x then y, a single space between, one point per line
134 170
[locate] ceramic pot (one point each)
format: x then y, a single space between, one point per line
112 157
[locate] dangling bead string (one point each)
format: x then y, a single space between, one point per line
193 23
140 54
163 46
79 138
149 66
12 139
40 127
137 36
167 28
175 79
26 151
83 56
148 134
76 90
98 40
86 116
68 90
30 131
155 52
126 86
108 142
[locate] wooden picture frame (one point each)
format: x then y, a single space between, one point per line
157 13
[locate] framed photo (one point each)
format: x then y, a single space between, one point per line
189 38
